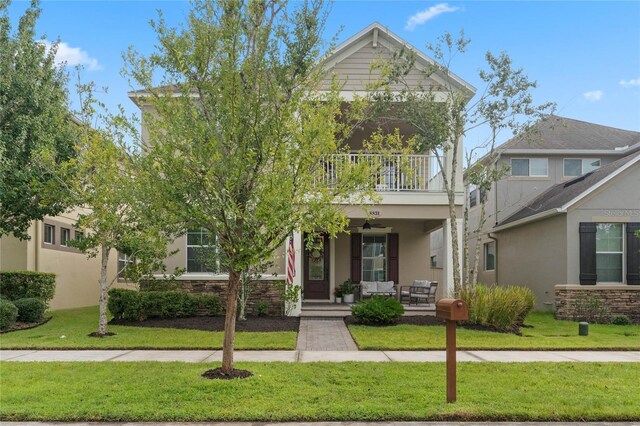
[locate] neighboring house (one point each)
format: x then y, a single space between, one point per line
564 218
395 246
48 250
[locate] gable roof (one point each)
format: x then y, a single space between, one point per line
562 133
378 33
560 197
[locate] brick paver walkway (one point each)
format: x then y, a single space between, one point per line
324 334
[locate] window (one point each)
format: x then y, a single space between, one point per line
123 261
374 257
609 252
434 261
49 234
536 167
79 235
473 197
201 252
580 166
65 236
490 256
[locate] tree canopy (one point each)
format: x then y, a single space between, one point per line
37 132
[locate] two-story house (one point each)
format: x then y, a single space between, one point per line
562 221
394 245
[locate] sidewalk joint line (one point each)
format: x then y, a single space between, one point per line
118 356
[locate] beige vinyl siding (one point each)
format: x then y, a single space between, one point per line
355 70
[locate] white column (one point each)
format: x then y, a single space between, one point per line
447 264
297 280
447 267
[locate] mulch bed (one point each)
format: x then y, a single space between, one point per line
25 325
259 324
218 374
96 334
428 320
410 320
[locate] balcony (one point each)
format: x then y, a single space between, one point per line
396 173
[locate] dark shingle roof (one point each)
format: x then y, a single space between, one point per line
562 193
556 132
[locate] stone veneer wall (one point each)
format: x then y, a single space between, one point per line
620 299
263 290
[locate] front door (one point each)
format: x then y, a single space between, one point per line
316 270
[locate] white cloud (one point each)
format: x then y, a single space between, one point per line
427 14
593 96
73 56
631 82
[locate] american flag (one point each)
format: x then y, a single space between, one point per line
291 261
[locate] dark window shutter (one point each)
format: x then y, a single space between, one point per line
588 253
393 265
356 257
633 253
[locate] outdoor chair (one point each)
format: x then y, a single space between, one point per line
421 294
405 291
377 288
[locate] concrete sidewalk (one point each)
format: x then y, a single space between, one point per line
318 356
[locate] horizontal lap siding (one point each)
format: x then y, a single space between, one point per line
355 70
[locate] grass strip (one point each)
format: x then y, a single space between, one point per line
68 329
319 392
543 333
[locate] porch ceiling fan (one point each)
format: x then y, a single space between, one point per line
368 225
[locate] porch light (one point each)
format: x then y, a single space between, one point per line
366 225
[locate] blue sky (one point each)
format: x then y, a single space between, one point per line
585 55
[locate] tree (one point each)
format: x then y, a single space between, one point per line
443 113
37 133
239 130
105 185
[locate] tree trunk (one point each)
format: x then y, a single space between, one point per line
465 235
104 295
476 260
230 321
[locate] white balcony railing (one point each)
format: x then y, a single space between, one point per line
396 173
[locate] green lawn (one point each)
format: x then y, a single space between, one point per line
75 324
547 333
318 391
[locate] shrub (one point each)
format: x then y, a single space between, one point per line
132 305
620 320
378 310
30 309
503 308
8 314
125 304
262 308
16 285
208 303
167 304
590 308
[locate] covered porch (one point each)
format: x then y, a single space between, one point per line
398 249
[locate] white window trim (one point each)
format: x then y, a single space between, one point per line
623 253
53 234
186 259
582 160
64 243
127 259
486 245
386 254
529 160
